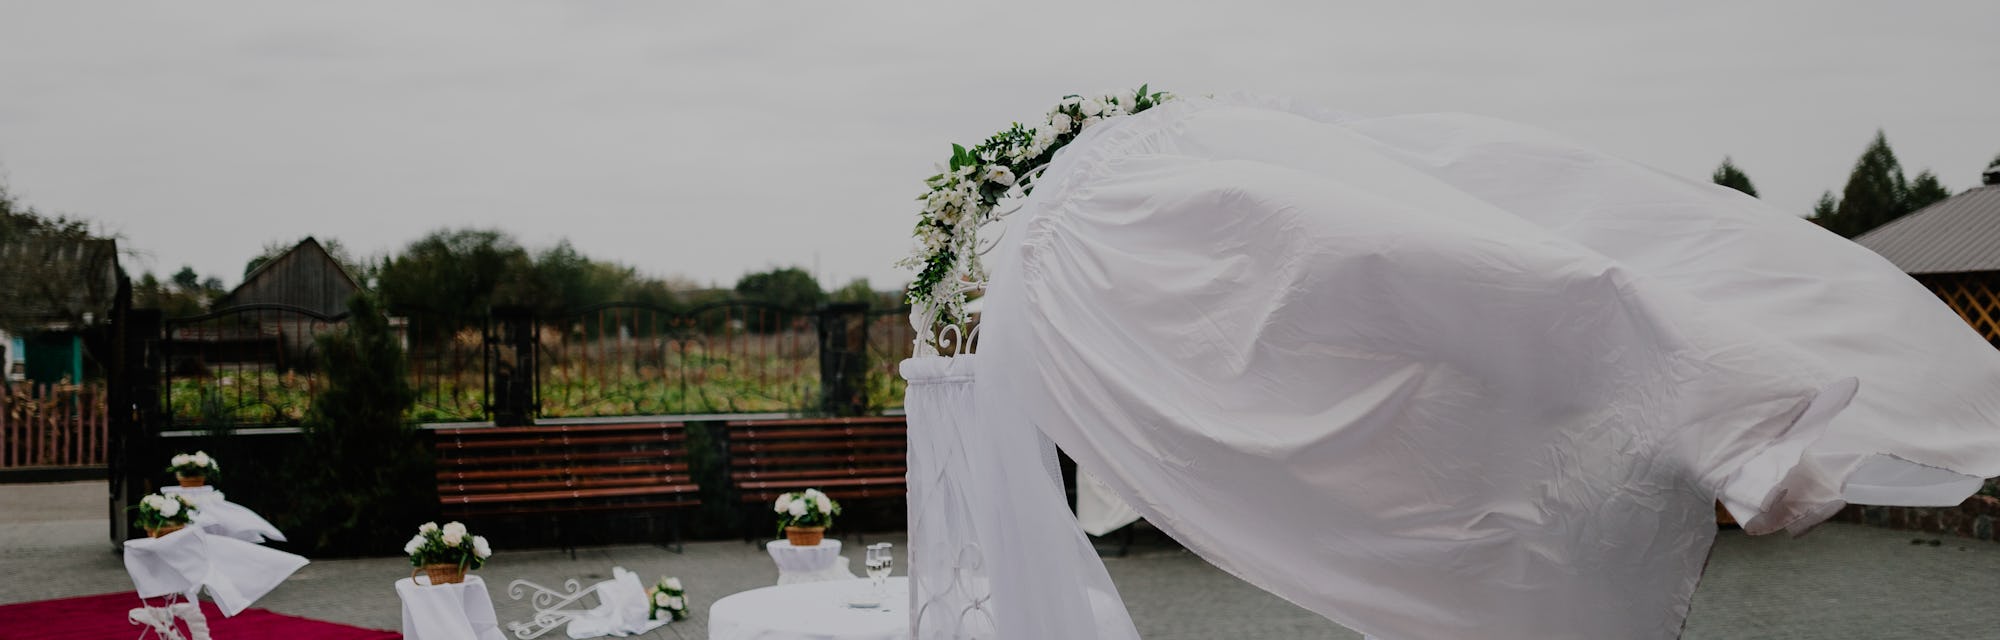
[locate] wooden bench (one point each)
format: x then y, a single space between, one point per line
847 458
559 469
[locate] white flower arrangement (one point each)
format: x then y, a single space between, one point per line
809 508
667 596
194 464
449 544
158 511
963 194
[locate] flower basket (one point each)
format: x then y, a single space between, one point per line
160 514
194 469
805 536
155 532
804 516
191 482
441 573
446 553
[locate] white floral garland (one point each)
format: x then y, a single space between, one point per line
964 194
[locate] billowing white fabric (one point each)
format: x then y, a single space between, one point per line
818 563
815 611
622 609
462 611
219 516
235 573
1098 508
1445 377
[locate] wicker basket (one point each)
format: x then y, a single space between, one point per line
441 573
192 481
155 533
805 536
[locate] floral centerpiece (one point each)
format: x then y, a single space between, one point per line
161 514
194 469
964 194
667 600
805 515
446 553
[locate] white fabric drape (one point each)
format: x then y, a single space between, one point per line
1098 508
235 573
1440 376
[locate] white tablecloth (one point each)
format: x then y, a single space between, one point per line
799 565
814 611
460 611
219 516
236 573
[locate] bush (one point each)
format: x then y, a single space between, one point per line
364 476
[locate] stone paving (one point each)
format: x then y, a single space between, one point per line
1843 581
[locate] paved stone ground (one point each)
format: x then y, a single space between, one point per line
1843 581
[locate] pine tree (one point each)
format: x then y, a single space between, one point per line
1874 194
1923 192
1729 176
1824 210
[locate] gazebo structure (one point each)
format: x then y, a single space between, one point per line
1953 248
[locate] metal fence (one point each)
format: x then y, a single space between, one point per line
256 366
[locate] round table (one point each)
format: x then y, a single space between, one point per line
820 563
811 611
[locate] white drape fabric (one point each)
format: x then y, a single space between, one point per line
986 509
622 609
217 515
1098 508
1437 376
798 565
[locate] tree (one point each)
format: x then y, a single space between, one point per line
1923 192
565 280
1825 208
187 280
364 473
454 277
1729 176
791 289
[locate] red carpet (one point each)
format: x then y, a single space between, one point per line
103 618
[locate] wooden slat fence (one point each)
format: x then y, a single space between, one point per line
43 425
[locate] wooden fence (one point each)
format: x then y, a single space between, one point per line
45 425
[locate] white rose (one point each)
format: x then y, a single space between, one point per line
415 543
1089 121
480 549
784 502
452 538
674 583
201 458
427 527
813 493
170 508
1091 107
451 528
675 603
798 509
662 599
183 459
1000 175
1060 122
825 504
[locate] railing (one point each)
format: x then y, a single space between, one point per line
44 425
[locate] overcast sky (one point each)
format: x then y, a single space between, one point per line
710 141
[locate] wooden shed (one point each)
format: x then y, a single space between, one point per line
306 277
1952 247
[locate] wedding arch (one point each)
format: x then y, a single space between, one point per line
1429 376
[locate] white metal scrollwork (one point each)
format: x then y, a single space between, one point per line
550 611
941 336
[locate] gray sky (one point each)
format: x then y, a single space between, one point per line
710 141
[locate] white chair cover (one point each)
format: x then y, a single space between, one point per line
235 573
1431 376
799 565
462 611
219 516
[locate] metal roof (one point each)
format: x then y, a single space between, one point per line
1957 235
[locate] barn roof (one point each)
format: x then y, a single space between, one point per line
1957 235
